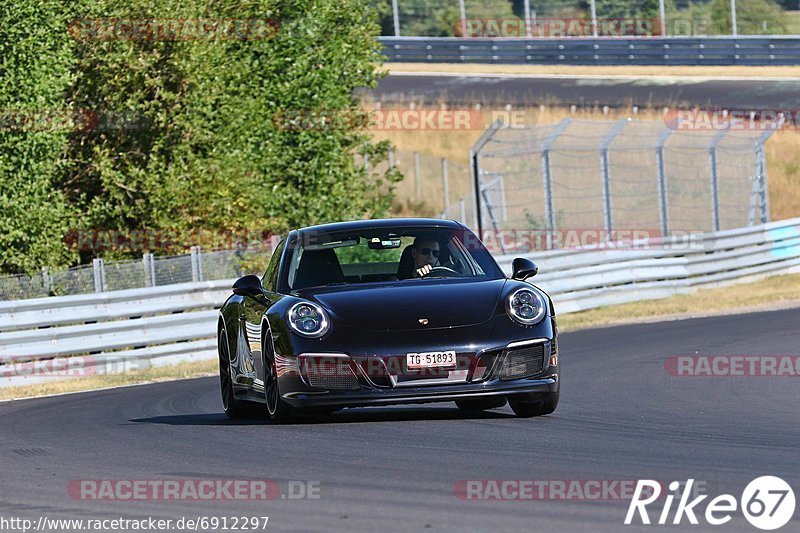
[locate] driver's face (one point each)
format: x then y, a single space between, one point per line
425 253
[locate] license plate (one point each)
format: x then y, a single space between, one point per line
431 360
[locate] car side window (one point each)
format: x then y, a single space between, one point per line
271 277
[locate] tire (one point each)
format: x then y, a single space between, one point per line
233 408
526 408
277 410
481 405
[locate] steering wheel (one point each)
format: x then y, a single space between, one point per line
442 272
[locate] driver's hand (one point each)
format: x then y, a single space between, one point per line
424 270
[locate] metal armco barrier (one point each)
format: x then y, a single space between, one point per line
585 279
761 50
120 330
111 332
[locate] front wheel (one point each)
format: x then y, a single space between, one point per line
278 410
526 407
233 407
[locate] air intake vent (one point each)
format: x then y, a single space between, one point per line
523 362
329 373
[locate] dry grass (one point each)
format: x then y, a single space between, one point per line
792 21
167 373
783 174
782 149
770 293
579 70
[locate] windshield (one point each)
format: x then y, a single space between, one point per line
387 255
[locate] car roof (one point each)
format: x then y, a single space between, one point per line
358 225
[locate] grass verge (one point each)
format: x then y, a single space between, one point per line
151 375
589 70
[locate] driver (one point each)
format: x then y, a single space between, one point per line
426 255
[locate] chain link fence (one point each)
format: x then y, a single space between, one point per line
432 186
150 271
620 175
573 18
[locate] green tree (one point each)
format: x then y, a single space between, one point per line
35 59
183 135
206 148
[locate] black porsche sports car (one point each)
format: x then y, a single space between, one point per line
380 312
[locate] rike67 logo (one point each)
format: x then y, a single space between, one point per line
767 502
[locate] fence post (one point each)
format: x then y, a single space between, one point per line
197 271
527 18
662 182
762 175
462 206
47 280
146 270
149 265
765 217
446 184
549 212
396 18
606 173
417 182
99 271
475 170
712 155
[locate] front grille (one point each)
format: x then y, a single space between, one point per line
523 362
325 374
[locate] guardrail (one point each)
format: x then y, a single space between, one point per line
584 279
139 328
71 336
769 50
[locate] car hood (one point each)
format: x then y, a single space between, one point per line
444 304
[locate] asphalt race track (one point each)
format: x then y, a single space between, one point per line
622 417
742 93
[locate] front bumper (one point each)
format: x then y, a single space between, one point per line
431 393
487 347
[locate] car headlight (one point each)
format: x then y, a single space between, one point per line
526 306
308 319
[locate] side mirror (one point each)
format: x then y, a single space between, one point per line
523 269
248 286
